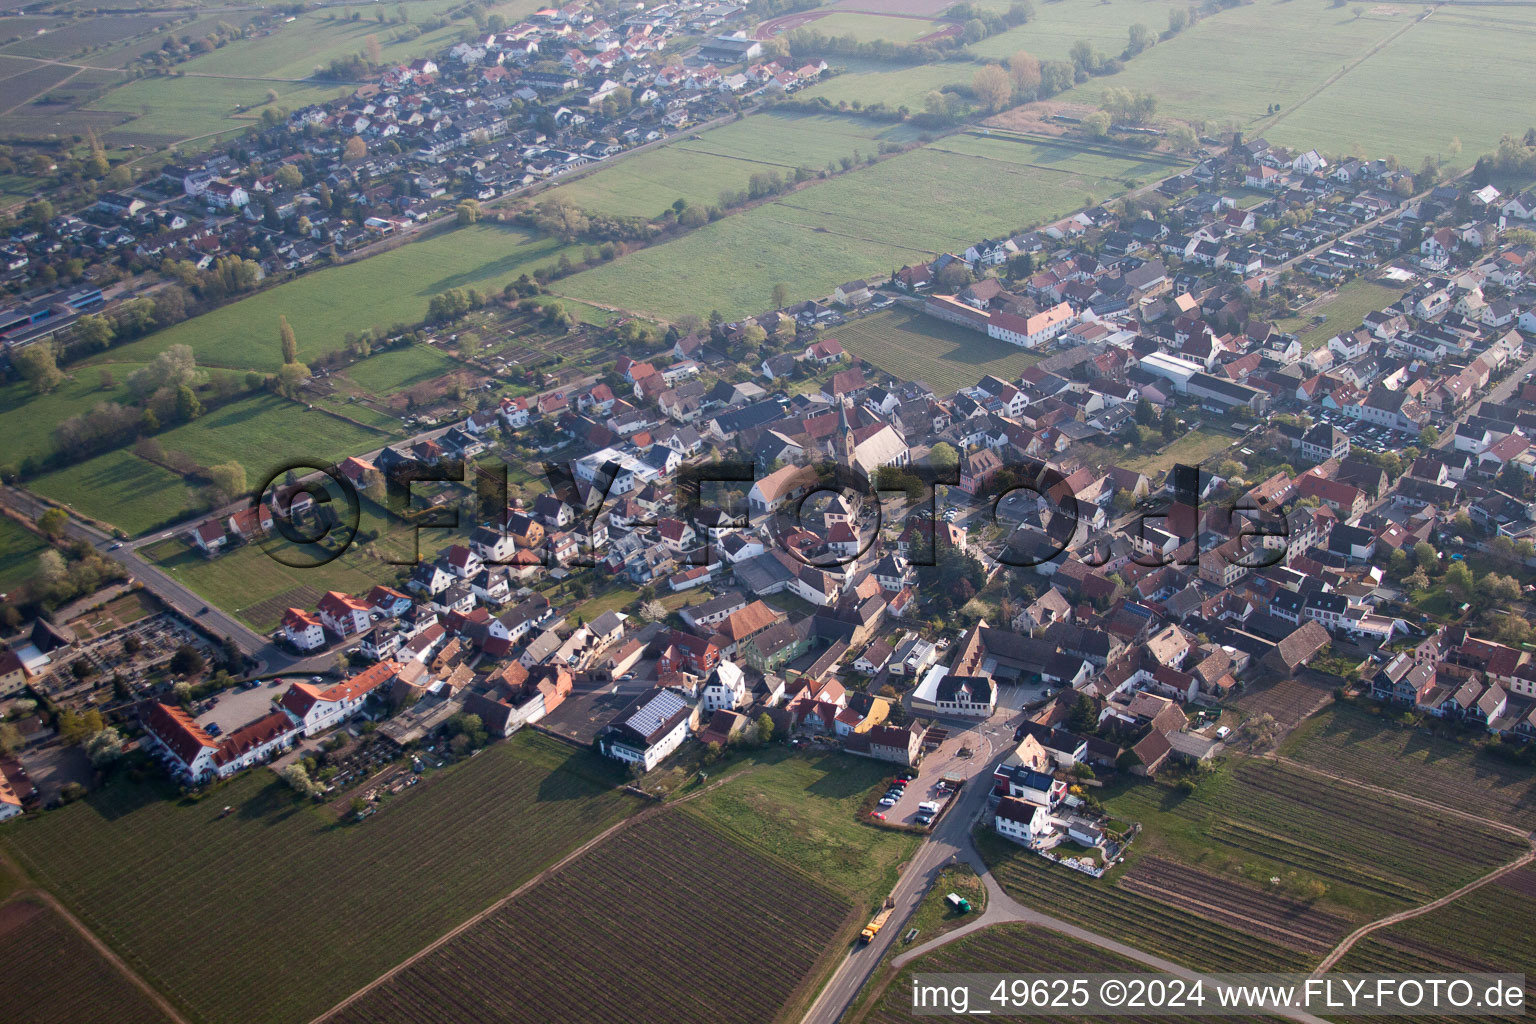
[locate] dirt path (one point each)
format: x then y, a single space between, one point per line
1404 915
544 875
26 889
1454 812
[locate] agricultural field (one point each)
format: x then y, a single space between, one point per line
19 548
803 810
1003 949
1342 310
1189 937
268 431
122 489
870 221
896 85
1487 930
1248 908
1356 744
1352 852
698 168
165 881
963 188
644 946
1049 35
162 110
49 974
391 287
27 419
946 357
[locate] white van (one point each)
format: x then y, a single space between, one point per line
930 806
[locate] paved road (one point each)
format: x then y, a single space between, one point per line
949 841
269 656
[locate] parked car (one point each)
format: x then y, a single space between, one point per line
888 801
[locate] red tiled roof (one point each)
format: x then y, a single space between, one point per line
177 730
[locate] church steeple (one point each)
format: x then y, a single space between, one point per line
844 443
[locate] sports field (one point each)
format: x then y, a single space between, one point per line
274 912
895 85
654 910
698 168
867 28
394 286
913 346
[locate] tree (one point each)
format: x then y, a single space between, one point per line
653 611
188 408
289 176
288 340
104 747
993 87
467 212
37 214
94 331
355 150
764 728
37 366
1084 717
1459 581
1141 38
187 661
1025 71
1097 124
53 521
1426 557
228 480
172 368
291 378
780 296
943 457
11 739
372 49
297 776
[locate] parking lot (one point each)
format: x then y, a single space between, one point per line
923 789
234 708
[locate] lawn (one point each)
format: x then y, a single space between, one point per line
946 357
19 548
1343 310
325 305
267 432
803 810
867 222
275 912
49 974
654 911
1352 742
1049 35
1193 449
698 169
122 489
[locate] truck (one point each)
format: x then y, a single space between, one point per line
878 921
958 903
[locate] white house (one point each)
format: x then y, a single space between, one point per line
317 708
725 689
1021 821
303 630
343 614
649 730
